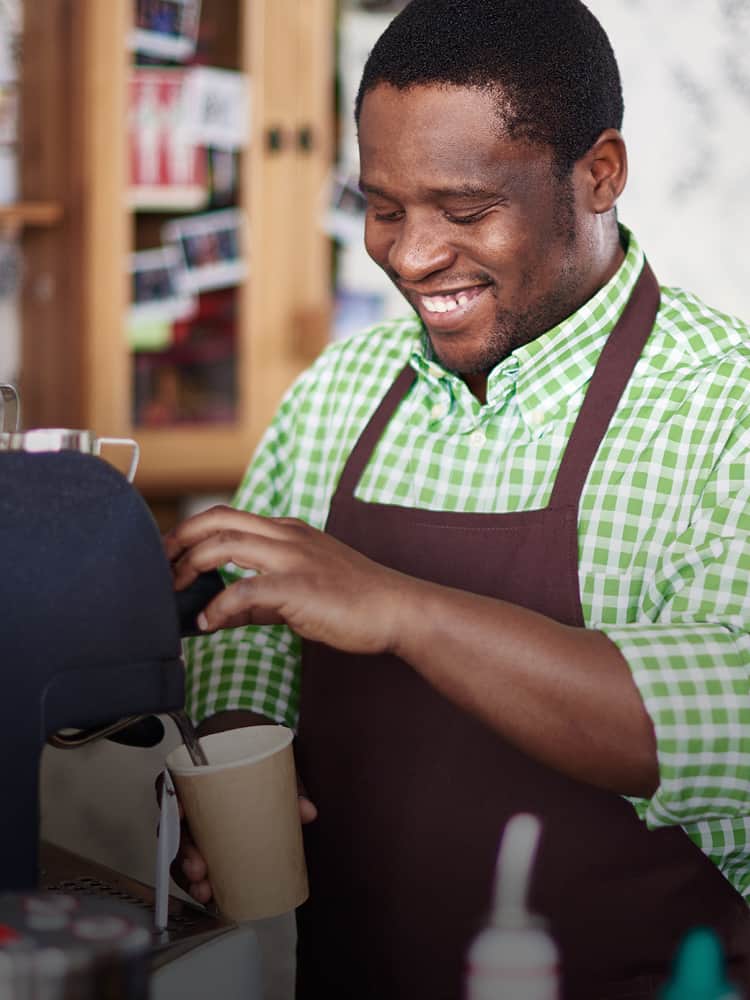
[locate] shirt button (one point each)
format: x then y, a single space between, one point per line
478 438
439 410
536 418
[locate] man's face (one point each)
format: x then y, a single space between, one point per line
475 229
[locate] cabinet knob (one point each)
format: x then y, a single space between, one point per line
305 138
275 139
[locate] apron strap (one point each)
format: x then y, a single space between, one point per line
363 449
612 373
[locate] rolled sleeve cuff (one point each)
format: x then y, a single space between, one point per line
694 683
246 668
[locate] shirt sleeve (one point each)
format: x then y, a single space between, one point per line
689 654
254 667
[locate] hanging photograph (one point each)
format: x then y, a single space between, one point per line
156 295
344 208
217 107
210 250
166 29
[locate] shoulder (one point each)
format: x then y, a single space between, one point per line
704 336
359 367
696 367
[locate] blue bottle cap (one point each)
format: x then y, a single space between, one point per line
699 970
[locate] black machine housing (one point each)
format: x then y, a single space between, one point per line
89 629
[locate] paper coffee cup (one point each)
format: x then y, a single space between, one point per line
244 818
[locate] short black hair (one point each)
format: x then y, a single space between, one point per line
550 62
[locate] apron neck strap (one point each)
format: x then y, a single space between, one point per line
363 449
611 374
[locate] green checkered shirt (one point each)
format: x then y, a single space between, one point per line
664 522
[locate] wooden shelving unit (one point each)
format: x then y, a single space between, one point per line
29 213
77 366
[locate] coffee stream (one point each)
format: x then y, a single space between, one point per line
190 738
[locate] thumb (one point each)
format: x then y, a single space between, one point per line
308 811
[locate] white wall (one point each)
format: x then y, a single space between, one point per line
686 81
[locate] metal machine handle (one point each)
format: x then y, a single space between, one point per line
79 738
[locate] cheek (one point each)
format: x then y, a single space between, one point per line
500 246
376 242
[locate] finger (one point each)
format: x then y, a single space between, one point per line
308 811
246 549
201 892
195 872
194 529
222 518
193 863
257 600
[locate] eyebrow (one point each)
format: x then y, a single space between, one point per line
370 188
463 191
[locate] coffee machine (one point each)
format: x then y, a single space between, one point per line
89 631
89 641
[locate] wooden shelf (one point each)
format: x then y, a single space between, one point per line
30 213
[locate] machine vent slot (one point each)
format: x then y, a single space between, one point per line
96 887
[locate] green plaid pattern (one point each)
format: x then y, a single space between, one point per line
664 521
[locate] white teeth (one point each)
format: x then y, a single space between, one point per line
445 303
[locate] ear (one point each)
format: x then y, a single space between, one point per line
604 171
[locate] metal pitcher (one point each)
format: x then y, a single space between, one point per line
64 438
9 399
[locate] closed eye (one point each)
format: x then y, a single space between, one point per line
466 220
389 216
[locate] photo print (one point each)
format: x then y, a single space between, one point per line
210 250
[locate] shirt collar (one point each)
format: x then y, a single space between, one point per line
549 369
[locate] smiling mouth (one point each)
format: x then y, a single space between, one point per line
449 301
449 308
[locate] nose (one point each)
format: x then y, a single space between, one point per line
418 250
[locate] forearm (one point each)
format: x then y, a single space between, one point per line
563 695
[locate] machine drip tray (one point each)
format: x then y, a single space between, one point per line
187 925
193 949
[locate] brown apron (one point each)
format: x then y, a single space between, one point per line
413 792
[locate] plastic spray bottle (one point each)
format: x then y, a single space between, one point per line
513 958
699 970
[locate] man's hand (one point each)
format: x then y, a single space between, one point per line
319 587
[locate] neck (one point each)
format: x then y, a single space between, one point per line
477 386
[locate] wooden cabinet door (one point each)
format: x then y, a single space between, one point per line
77 364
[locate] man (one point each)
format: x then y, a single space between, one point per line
504 544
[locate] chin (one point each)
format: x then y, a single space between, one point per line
480 362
